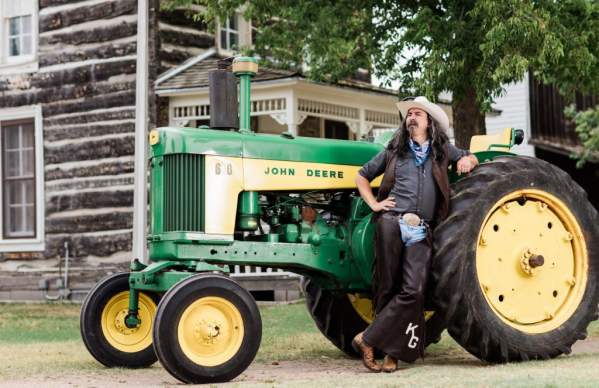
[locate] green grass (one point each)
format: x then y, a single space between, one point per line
290 334
41 340
35 323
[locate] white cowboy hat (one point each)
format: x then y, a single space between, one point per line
421 102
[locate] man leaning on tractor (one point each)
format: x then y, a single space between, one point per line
412 198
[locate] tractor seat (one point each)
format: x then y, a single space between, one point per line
497 142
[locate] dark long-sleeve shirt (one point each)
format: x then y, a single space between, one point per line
414 189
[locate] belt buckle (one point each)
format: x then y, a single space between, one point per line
411 219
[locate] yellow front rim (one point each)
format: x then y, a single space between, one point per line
365 310
210 331
118 335
521 225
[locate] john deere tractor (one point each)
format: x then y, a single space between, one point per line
515 272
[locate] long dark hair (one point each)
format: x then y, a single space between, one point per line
437 137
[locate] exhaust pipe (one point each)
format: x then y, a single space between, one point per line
223 96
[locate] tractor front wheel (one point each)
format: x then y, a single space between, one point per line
207 329
103 329
517 262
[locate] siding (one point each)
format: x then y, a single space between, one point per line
515 113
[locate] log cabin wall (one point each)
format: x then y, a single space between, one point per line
85 86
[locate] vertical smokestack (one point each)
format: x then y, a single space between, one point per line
223 97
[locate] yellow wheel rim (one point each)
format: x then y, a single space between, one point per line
521 226
363 307
210 331
118 335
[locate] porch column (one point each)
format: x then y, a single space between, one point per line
362 130
292 114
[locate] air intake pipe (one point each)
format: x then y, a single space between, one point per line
244 68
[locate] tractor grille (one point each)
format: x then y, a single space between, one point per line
183 192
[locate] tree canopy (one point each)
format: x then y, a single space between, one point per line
470 48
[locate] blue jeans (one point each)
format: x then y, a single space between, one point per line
410 235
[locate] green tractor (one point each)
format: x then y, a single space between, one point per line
515 272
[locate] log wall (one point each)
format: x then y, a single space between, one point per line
86 88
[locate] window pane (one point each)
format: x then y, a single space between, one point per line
233 23
26 49
27 135
28 162
233 39
15 223
13 194
29 186
26 24
11 137
14 26
13 167
14 47
223 39
29 220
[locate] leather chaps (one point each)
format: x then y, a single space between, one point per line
399 284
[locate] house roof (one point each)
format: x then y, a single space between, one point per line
193 74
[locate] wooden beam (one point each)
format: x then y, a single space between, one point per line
140 202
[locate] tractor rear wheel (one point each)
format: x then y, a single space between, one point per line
207 329
517 262
103 329
340 316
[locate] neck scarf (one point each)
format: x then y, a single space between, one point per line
420 152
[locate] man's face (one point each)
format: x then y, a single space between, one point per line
417 121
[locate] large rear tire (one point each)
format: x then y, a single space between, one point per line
516 262
340 316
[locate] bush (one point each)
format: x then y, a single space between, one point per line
587 128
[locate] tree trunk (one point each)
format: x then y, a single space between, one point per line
468 120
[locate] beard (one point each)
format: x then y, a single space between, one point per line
412 125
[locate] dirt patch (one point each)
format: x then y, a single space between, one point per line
344 371
590 345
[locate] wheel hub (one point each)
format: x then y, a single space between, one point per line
114 327
207 332
529 261
210 331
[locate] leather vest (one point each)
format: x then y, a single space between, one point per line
439 174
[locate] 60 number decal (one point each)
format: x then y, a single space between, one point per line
223 168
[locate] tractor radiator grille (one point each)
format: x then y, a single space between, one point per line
183 193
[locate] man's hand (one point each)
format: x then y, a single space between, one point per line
466 164
385 204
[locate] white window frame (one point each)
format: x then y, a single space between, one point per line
38 243
21 63
243 31
226 28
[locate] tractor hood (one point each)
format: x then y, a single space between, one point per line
168 140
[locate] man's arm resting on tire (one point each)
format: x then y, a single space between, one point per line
466 164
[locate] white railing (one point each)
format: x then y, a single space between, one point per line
250 270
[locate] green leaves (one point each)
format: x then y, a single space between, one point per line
587 128
467 47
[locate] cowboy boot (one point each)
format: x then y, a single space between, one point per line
389 364
367 353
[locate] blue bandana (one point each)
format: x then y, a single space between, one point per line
420 152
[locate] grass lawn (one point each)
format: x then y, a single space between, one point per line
43 340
